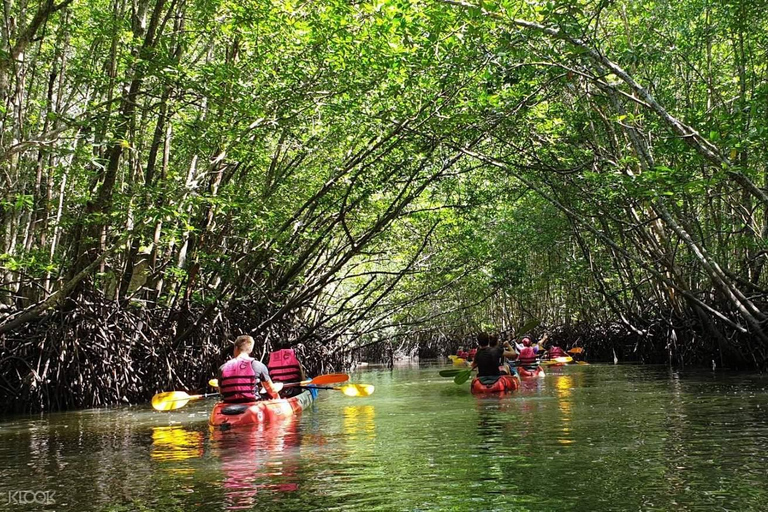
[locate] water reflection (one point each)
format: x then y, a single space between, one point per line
257 459
360 421
563 388
175 443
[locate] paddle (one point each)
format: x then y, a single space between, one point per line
329 378
557 360
349 389
170 400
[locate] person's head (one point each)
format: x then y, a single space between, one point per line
526 341
494 340
243 345
483 339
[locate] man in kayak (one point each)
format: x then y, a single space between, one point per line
489 359
241 377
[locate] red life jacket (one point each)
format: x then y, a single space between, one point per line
527 356
238 381
472 353
284 366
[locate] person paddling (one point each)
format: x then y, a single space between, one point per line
284 366
489 359
241 377
504 366
529 352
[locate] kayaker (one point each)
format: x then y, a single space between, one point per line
284 366
488 359
471 354
554 352
241 377
504 367
529 352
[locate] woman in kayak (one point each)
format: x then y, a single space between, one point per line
241 376
489 359
529 352
284 366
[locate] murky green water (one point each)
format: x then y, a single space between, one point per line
584 438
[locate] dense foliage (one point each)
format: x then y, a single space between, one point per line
342 176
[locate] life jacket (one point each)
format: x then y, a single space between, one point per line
471 354
527 356
556 351
238 381
283 366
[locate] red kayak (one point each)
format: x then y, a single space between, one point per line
225 416
494 384
526 373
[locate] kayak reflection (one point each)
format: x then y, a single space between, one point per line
256 459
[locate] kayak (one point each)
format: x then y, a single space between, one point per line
225 416
526 373
494 384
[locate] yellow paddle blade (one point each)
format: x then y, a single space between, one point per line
170 400
357 389
214 383
452 357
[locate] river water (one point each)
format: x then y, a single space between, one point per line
584 438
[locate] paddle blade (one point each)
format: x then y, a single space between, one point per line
451 372
357 389
331 378
170 400
527 327
575 350
462 377
214 383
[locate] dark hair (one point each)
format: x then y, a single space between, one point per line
483 339
494 340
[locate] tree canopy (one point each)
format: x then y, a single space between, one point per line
339 175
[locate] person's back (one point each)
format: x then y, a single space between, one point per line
528 353
487 361
240 377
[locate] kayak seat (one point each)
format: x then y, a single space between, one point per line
234 410
489 380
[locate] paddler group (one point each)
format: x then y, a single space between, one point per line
501 366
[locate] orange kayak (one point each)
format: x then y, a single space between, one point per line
487 385
225 416
525 373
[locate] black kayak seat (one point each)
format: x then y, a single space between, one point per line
489 380
234 410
